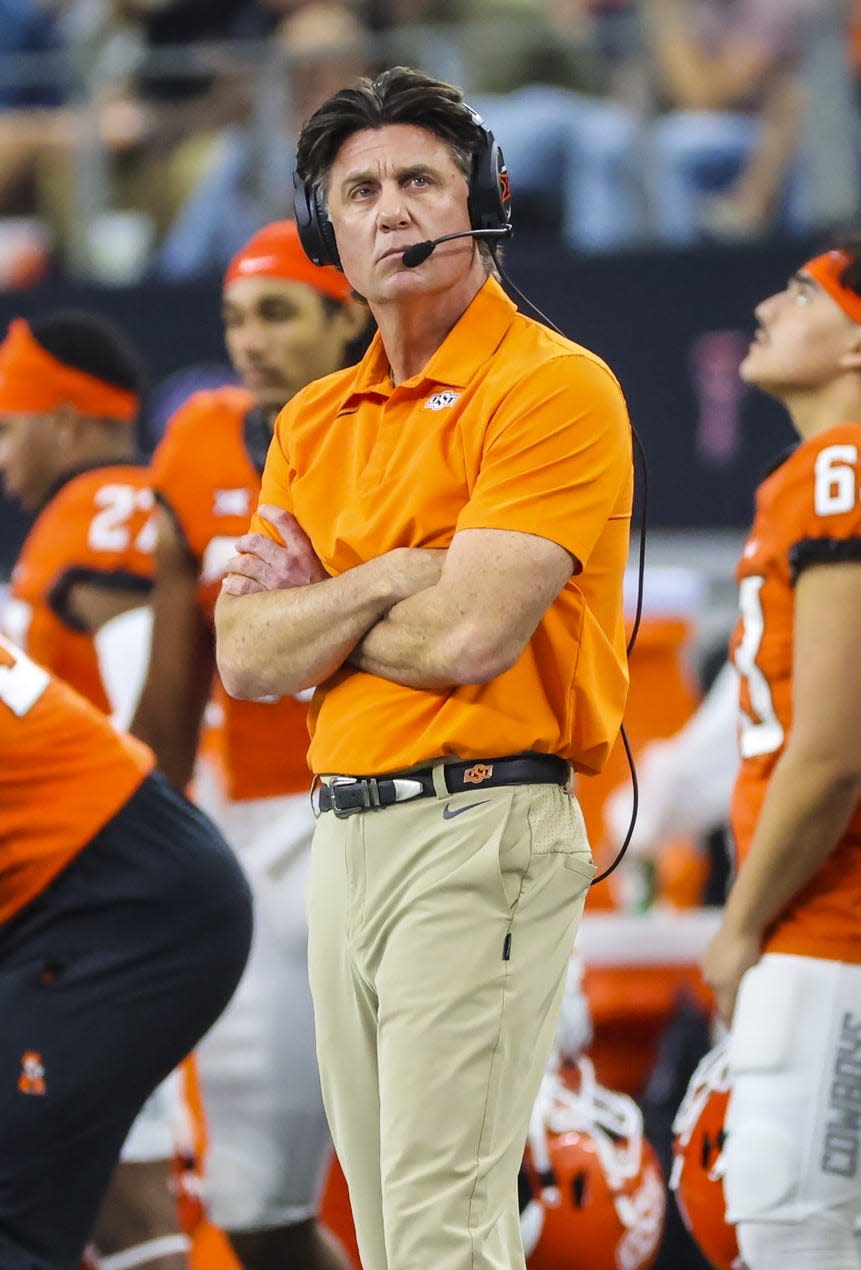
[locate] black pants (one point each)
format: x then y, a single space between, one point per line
107 981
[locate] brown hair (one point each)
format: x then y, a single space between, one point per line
400 95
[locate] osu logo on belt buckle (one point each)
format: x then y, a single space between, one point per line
478 773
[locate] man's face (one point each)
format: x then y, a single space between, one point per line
391 187
29 449
802 342
280 335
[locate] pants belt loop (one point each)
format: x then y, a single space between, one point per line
438 774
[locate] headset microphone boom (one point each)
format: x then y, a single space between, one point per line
418 253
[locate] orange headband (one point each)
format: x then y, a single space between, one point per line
275 252
32 380
826 270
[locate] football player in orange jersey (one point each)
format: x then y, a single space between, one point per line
286 323
70 393
785 963
107 977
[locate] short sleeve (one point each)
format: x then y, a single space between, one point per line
821 504
178 453
557 457
169 463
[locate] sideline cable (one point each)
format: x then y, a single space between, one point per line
641 494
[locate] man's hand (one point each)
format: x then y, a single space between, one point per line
728 956
262 564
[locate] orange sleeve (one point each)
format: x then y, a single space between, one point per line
169 470
819 505
163 462
97 526
97 529
557 457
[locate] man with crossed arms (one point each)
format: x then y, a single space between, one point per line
456 512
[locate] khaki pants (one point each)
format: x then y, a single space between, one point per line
440 932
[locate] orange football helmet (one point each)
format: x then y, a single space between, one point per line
596 1178
697 1173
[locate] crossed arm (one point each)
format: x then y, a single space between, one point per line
424 618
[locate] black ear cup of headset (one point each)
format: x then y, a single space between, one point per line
313 225
489 187
489 201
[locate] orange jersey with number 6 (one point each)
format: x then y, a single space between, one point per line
207 472
64 773
808 511
97 529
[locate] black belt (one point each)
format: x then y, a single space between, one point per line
349 795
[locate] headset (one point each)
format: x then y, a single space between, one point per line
489 202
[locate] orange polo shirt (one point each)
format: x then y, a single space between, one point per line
510 426
64 773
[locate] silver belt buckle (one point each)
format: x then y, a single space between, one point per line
406 789
314 796
369 791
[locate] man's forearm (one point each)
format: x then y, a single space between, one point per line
280 642
427 642
404 649
805 812
472 623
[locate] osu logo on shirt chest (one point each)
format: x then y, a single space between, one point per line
442 400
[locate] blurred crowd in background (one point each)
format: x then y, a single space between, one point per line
150 138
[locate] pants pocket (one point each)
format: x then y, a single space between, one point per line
557 829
